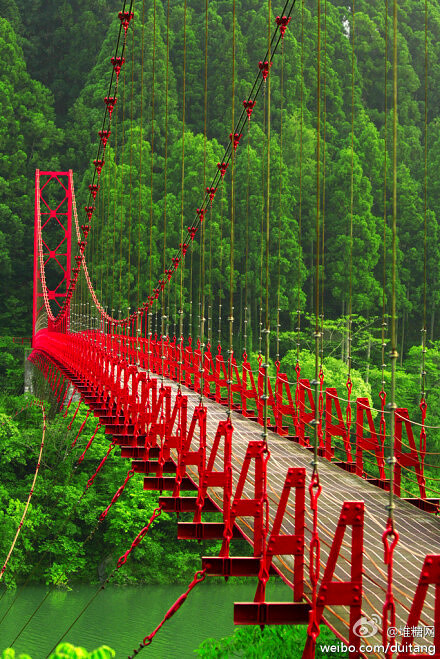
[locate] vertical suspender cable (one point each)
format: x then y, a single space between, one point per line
165 312
175 324
221 263
350 282
317 240
140 156
382 394
107 172
104 251
121 224
130 208
231 260
202 249
299 269
81 301
115 112
267 324
390 536
280 207
150 279
139 315
263 182
210 281
298 310
324 138
315 487
190 292
393 354
425 233
321 339
166 156
246 257
423 404
96 250
91 243
182 191
350 287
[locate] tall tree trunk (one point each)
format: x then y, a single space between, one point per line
367 371
343 336
257 320
240 321
403 337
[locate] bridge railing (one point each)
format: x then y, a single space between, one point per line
359 449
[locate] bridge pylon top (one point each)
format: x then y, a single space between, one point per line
52 245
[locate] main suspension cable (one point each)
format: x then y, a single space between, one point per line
254 93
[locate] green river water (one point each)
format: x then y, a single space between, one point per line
122 617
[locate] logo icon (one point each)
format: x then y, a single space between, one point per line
367 627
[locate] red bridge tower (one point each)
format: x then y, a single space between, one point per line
52 244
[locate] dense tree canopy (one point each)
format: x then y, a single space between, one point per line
67 48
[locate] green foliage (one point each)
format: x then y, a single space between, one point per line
9 653
335 372
272 642
32 32
67 651
28 138
61 516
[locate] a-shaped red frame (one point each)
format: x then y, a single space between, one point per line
62 252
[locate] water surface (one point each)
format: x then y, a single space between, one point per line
122 616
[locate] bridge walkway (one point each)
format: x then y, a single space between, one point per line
418 530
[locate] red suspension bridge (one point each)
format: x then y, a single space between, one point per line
194 418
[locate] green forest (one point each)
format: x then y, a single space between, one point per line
53 106
55 74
